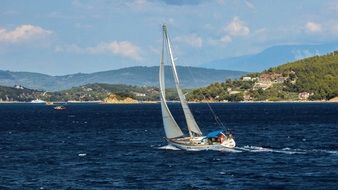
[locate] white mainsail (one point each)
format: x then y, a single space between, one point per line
191 123
170 126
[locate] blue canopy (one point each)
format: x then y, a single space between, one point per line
214 134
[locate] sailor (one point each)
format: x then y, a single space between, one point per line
209 142
221 137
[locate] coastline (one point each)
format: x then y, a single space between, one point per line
156 102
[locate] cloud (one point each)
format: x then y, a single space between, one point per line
192 39
313 27
237 28
23 33
224 40
123 49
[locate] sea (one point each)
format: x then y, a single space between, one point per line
101 146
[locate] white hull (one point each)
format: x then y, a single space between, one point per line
200 144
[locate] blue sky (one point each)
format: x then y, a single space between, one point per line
64 36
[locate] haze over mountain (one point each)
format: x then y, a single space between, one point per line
271 57
142 76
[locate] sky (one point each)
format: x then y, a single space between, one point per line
71 36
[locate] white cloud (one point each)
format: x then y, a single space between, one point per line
192 39
224 40
22 33
313 27
237 28
123 48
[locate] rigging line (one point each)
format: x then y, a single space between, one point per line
218 121
215 116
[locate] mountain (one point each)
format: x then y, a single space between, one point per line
313 78
141 76
271 57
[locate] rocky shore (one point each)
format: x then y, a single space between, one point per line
113 99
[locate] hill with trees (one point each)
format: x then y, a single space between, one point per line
89 92
314 78
18 93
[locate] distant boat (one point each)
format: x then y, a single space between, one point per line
38 101
59 107
215 140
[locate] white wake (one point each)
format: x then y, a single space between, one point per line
168 147
258 149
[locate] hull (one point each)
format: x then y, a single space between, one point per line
200 144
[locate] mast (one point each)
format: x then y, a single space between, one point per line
191 123
171 128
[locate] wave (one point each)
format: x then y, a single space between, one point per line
286 150
324 151
248 148
258 149
168 147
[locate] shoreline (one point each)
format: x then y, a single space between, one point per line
156 102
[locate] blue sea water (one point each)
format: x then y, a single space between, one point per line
91 146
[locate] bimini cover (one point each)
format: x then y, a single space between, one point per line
214 134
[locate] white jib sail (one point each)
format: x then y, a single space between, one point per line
171 128
191 123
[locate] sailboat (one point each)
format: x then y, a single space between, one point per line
216 140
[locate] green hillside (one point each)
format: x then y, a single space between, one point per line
97 91
18 93
89 92
314 78
318 75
